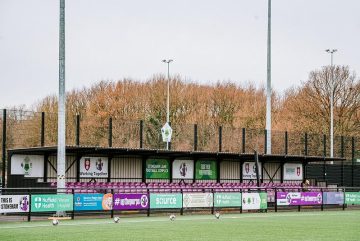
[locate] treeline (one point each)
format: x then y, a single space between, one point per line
233 106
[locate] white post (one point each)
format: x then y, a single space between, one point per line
268 85
168 95
61 155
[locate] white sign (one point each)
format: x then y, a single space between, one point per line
183 169
293 171
27 165
94 167
197 200
253 201
14 203
249 170
166 132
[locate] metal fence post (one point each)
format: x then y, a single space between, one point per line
195 137
42 137
141 133
110 132
353 159
286 142
324 143
342 163
265 142
220 138
306 143
4 148
77 138
243 140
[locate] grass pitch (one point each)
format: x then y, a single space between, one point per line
330 225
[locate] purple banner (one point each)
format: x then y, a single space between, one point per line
131 201
333 198
298 198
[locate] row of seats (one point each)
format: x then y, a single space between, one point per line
162 187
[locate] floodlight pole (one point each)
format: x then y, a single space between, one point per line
168 95
331 52
61 155
268 85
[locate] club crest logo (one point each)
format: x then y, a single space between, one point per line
298 171
26 165
247 167
183 169
37 202
144 201
87 164
24 203
99 164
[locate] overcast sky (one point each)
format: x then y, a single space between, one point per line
209 40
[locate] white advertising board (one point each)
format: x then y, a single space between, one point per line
183 169
293 171
197 200
94 167
254 201
27 165
14 203
249 170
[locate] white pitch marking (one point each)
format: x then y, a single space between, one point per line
242 216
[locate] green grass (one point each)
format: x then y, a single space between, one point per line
327 225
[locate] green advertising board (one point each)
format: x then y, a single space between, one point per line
165 200
49 203
157 169
352 198
227 199
205 170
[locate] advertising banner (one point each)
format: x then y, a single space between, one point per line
333 198
205 170
54 202
183 169
131 201
298 198
94 201
227 199
27 165
352 198
14 203
157 168
254 201
197 200
293 171
165 200
94 167
249 170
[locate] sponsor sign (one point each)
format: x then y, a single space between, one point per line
93 202
48 203
298 198
183 169
254 201
131 201
14 203
227 199
94 167
333 198
27 165
197 200
249 170
157 168
205 170
166 200
352 198
293 171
